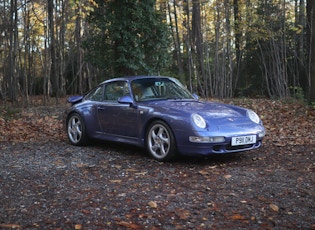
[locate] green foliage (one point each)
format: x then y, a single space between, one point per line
127 38
297 92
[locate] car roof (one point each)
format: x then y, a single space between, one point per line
131 78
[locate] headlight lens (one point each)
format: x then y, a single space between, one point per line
253 116
198 120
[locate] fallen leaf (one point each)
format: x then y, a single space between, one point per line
152 204
274 207
183 214
84 211
129 225
78 227
141 173
11 226
227 176
204 172
80 165
238 217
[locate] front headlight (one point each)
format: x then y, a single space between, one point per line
253 116
198 120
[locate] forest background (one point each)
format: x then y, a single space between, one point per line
218 48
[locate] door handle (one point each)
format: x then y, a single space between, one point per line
100 107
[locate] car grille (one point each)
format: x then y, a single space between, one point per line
229 148
240 147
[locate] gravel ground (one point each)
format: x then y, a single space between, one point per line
53 185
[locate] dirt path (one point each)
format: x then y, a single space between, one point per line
53 185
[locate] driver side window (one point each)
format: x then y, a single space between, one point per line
97 94
115 90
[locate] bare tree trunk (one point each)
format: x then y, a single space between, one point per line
312 51
298 63
53 71
229 63
25 71
46 67
62 56
187 42
284 53
176 39
238 35
12 86
216 82
79 61
219 81
197 40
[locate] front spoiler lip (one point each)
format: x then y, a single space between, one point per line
195 148
216 148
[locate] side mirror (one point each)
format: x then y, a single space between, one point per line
74 99
125 100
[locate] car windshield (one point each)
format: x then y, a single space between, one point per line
159 89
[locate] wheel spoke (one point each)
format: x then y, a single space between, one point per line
78 128
160 131
71 132
163 150
155 147
165 140
153 136
73 122
154 142
75 137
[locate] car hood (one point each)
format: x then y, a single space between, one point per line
209 110
221 118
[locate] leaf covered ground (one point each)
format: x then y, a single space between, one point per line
45 183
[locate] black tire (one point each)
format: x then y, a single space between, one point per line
76 130
160 141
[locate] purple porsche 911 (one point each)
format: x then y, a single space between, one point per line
161 115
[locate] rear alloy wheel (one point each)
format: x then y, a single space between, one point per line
160 141
76 130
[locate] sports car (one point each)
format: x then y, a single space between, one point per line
159 114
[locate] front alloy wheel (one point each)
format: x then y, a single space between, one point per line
76 130
160 141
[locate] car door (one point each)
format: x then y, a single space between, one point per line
115 118
94 98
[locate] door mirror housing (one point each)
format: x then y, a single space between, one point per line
125 100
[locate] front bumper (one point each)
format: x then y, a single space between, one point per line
187 147
215 148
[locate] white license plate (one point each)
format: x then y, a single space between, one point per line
243 140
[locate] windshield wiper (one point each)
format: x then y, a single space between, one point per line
174 98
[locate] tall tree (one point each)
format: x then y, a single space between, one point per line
127 38
238 35
53 69
311 24
197 46
13 51
174 24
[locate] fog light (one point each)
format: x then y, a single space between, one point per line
196 139
261 134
